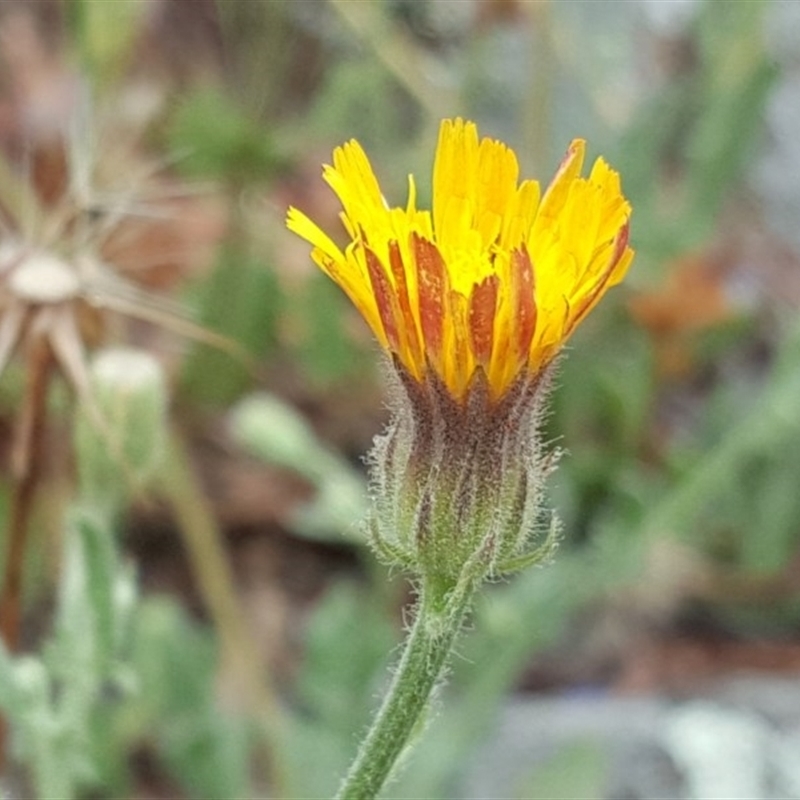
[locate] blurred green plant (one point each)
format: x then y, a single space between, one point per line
689 144
324 351
241 300
212 138
176 712
54 701
104 35
576 770
273 431
117 674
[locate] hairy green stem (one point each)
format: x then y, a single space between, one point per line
425 657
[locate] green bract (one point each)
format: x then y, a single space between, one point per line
458 488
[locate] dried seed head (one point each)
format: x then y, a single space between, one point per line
41 278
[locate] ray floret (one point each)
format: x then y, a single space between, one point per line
495 277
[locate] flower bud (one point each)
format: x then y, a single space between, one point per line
120 433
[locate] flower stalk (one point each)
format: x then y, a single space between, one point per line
473 301
402 714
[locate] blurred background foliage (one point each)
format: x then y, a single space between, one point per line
223 632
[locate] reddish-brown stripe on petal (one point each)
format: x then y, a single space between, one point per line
384 298
482 308
522 283
620 243
401 292
432 283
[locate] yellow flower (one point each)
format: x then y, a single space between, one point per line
495 277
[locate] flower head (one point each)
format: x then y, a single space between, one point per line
494 278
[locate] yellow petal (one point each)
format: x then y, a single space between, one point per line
494 277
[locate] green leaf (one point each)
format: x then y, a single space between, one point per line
205 747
